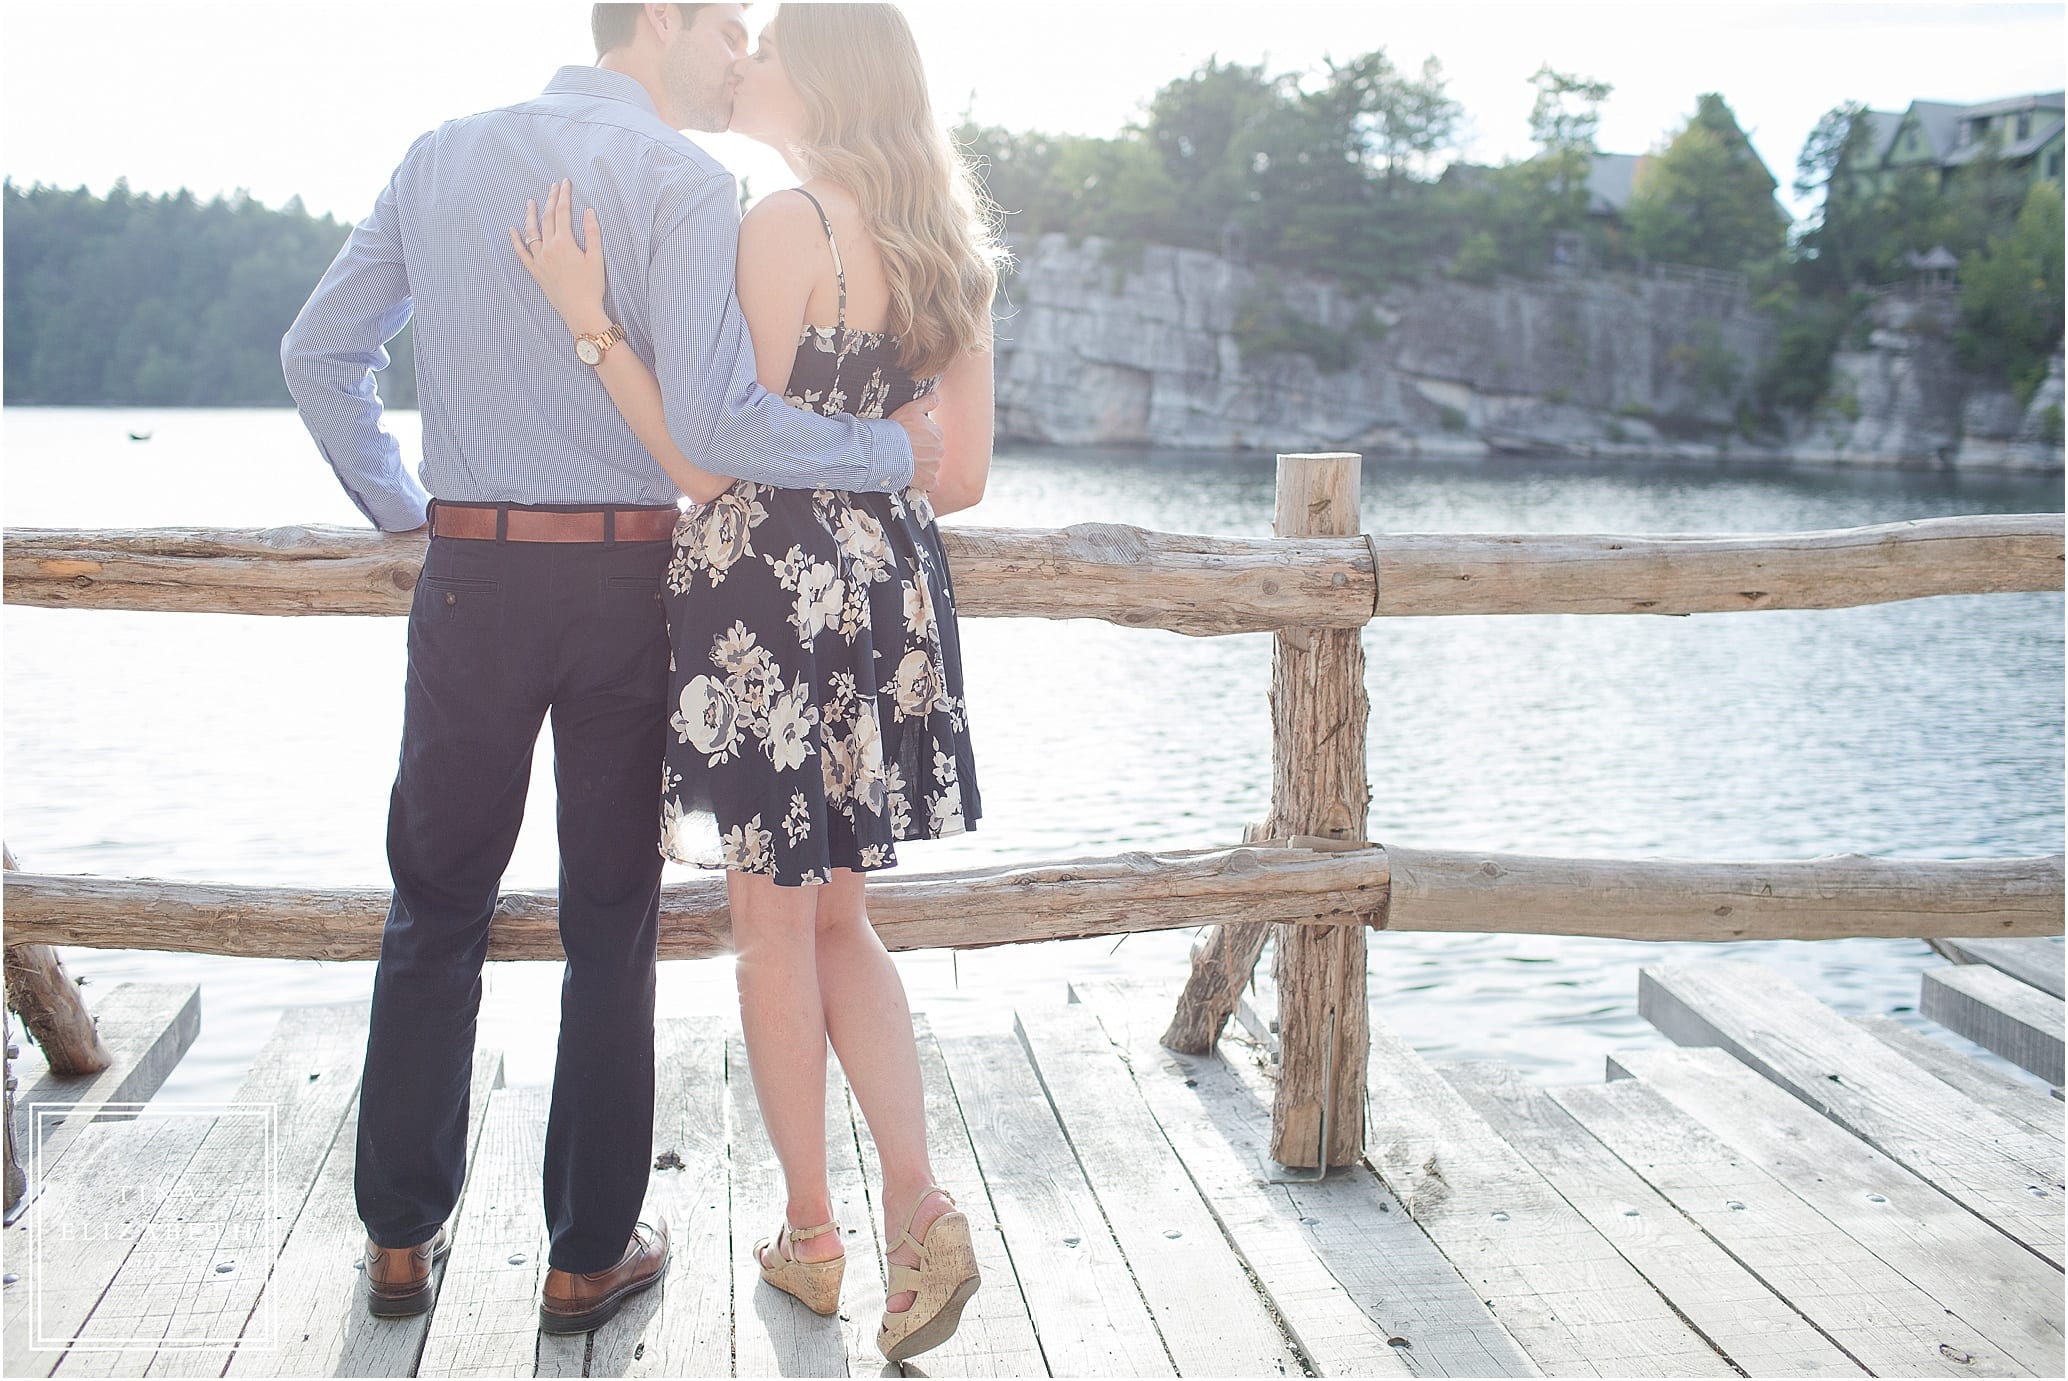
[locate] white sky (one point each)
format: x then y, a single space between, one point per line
321 99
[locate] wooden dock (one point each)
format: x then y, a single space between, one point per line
1786 1193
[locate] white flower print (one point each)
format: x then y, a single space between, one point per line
708 719
790 722
670 778
895 802
863 544
731 649
797 821
918 685
919 609
746 848
947 812
874 392
671 826
875 855
790 569
724 527
820 594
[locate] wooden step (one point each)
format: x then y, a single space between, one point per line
1862 1304
1561 1288
185 1292
1956 1269
1997 1012
2032 1108
2037 959
1998 1168
1753 1326
147 1027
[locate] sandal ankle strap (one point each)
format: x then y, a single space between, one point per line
804 1234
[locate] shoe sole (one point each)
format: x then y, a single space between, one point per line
413 1303
936 1330
602 1312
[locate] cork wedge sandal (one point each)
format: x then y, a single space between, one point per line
817 1283
943 1281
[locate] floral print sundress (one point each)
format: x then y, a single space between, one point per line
816 667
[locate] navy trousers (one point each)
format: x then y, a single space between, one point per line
501 635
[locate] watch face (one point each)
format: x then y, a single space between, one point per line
585 350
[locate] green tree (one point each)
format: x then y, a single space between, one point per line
2010 295
1706 200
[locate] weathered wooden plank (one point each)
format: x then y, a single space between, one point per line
1828 897
1210 1315
1999 1013
199 1265
1752 1326
773 1334
1147 579
318 1316
2002 1292
1993 1165
996 1336
1087 1310
146 1027
90 1210
1861 1303
1392 888
2029 1107
1358 1286
684 1328
486 1320
1561 1288
2041 960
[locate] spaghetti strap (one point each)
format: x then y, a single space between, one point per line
839 273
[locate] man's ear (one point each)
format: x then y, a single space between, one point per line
662 19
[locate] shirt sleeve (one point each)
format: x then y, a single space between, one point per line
718 414
329 357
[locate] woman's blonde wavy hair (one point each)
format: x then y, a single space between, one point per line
870 129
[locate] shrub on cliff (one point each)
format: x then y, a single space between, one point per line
2011 299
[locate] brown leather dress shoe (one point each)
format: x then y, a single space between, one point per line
573 1303
398 1279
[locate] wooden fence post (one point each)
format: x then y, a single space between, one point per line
1318 787
49 1004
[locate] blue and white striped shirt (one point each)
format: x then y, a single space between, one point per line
509 414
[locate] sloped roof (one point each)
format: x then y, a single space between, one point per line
1938 257
2045 127
2010 105
1939 123
1610 178
1881 127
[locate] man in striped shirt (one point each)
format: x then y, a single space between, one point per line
549 529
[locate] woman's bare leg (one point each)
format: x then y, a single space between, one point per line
782 1018
870 1023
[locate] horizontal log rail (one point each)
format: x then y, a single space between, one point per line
1138 578
1837 896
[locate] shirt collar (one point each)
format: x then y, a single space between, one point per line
601 81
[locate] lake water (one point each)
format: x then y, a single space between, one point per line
260 750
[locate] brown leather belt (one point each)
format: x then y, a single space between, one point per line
512 523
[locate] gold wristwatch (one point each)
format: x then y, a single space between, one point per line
589 349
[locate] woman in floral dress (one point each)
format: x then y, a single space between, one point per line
816 663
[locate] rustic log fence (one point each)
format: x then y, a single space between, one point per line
1309 869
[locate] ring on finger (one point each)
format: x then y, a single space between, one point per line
534 240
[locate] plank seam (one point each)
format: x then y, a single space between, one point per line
1004 1240
1104 1217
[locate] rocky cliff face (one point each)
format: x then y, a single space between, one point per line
1170 347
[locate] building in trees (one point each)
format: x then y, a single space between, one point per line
2016 139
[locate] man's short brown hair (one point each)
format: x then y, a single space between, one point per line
612 26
